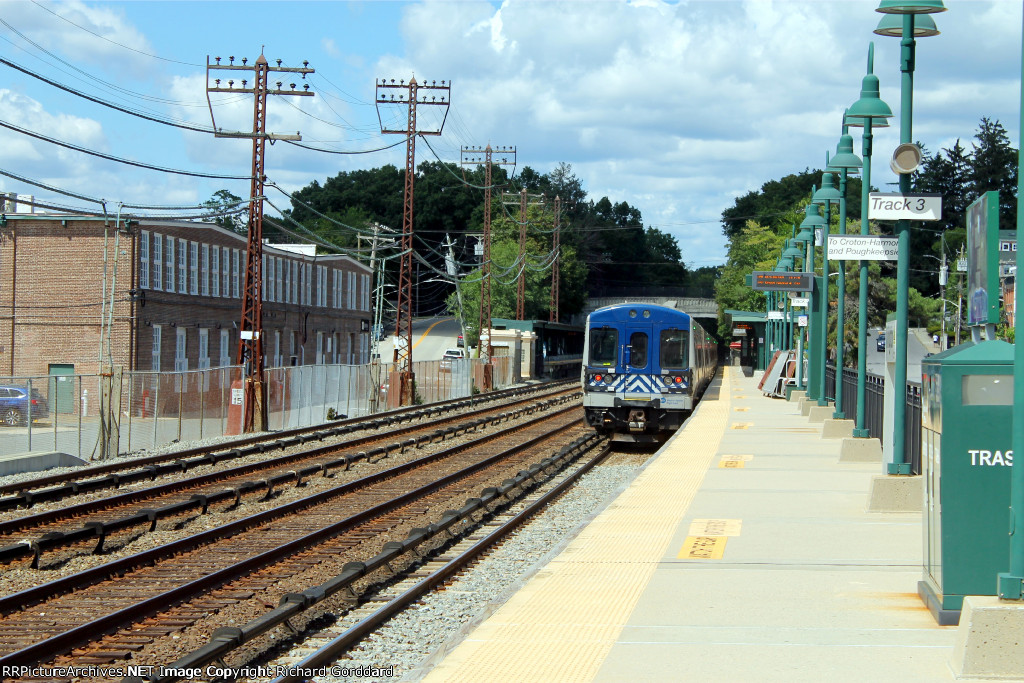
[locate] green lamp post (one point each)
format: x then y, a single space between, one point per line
844 162
868 112
812 221
910 10
826 195
1011 583
794 252
785 265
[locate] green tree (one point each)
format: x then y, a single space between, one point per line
233 215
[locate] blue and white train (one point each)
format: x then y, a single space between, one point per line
644 366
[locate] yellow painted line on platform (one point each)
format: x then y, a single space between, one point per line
703 548
563 623
427 331
716 527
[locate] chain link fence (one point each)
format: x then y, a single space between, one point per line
148 410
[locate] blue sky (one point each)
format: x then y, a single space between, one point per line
674 107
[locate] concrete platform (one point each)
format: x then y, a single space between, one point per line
36 461
708 570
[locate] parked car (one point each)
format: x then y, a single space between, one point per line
880 341
15 402
460 342
450 355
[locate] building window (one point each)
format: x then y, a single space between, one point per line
225 269
307 283
204 273
287 281
183 266
352 291
278 282
169 263
267 296
204 348
144 260
215 271
180 347
319 348
193 268
295 282
365 292
155 365
158 264
225 350
235 265
277 348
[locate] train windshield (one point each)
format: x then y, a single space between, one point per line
674 346
604 346
638 350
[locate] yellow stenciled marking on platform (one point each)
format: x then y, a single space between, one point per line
715 527
742 409
731 464
703 548
742 425
742 456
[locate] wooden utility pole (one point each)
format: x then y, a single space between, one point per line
474 158
250 333
555 275
403 317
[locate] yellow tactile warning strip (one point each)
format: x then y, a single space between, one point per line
565 620
703 548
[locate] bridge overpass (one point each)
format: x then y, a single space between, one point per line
695 306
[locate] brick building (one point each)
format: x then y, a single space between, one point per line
176 292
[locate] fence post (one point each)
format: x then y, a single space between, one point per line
30 413
156 409
79 393
181 397
131 407
202 400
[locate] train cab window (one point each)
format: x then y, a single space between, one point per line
674 346
638 350
604 346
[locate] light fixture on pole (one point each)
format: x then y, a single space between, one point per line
911 11
868 112
812 221
794 252
844 162
827 195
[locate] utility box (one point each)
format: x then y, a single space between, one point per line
966 459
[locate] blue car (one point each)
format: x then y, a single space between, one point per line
880 342
15 405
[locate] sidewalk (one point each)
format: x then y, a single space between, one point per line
808 586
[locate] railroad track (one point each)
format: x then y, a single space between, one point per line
73 528
233 569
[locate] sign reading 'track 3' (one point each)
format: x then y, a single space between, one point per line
895 207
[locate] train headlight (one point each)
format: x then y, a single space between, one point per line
598 377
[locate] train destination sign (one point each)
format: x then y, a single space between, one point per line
895 207
862 248
770 281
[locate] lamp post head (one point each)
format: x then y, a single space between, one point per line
844 157
785 265
911 6
792 250
870 107
892 25
827 194
812 221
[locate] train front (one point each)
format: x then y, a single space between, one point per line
637 380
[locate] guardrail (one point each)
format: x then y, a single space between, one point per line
874 408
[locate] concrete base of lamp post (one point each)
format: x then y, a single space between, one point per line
806 404
796 395
837 429
988 639
896 494
819 413
860 450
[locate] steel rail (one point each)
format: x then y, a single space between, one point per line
344 642
45 649
242 443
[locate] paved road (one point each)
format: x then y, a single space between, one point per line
916 352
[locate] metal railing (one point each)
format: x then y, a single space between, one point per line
874 400
152 409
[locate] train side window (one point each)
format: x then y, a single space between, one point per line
638 350
604 346
674 346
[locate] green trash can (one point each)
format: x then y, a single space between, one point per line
966 458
